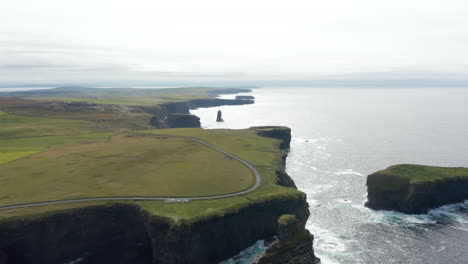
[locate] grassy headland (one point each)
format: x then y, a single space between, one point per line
416 188
51 150
125 165
422 173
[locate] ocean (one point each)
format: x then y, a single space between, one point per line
340 135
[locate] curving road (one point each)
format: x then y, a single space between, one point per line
156 198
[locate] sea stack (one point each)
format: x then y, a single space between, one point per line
415 189
293 245
219 117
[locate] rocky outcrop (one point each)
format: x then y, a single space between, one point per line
124 234
393 192
282 133
165 114
219 117
285 180
100 234
182 120
293 245
244 97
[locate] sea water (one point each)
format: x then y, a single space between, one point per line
340 135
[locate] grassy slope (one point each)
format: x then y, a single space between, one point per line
126 165
421 173
127 100
15 148
260 151
16 126
8 156
121 96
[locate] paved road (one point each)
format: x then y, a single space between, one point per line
156 198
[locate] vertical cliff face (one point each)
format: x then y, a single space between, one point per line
390 192
282 133
218 238
98 234
293 245
177 114
182 120
124 234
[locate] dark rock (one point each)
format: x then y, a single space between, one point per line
99 234
182 120
283 133
219 117
244 97
293 246
390 192
157 122
284 179
123 233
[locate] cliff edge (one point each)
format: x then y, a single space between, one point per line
293 245
149 232
416 189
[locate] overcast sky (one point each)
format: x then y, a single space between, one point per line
111 41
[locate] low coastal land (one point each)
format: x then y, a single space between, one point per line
75 143
416 189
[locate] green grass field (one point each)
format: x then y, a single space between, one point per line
16 126
7 156
16 148
126 165
127 100
45 158
421 173
262 152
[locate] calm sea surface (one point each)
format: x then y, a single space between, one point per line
342 135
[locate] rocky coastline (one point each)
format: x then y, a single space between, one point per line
125 233
390 191
177 114
293 245
122 233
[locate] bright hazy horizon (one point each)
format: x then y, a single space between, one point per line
238 42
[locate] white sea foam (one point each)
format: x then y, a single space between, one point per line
400 219
247 255
76 261
327 244
349 171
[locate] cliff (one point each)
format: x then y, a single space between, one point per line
415 188
153 232
123 233
293 245
177 114
182 120
282 133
